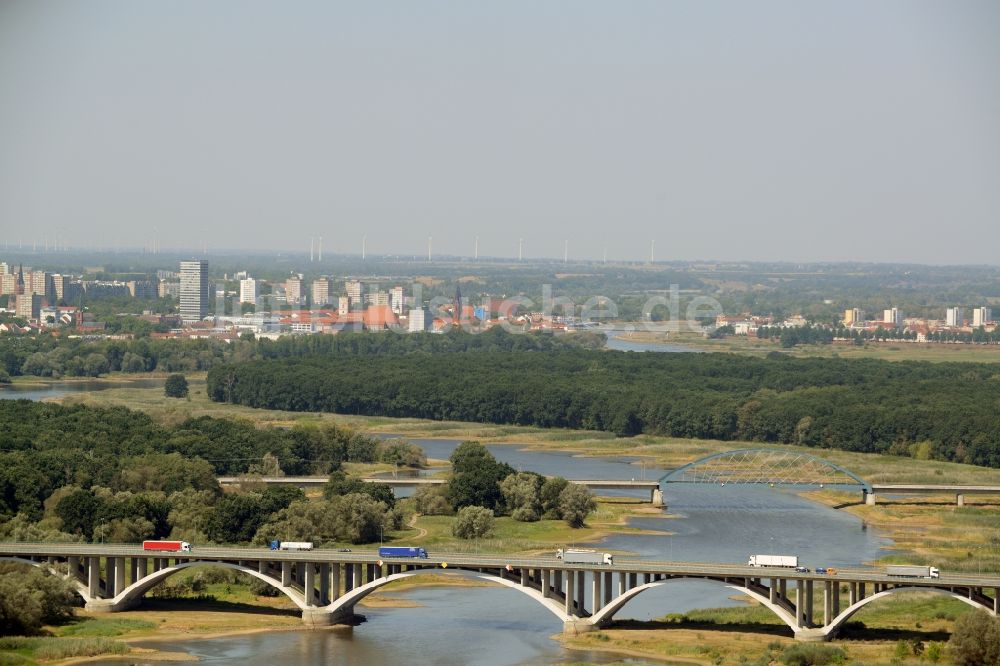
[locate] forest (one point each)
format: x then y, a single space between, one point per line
51 356
944 411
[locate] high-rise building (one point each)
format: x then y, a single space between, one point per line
396 299
248 290
293 290
892 316
320 292
420 320
380 298
343 305
7 282
854 316
194 290
59 283
954 317
981 316
355 292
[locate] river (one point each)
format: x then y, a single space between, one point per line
496 626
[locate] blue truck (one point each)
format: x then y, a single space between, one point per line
402 551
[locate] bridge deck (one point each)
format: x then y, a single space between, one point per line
409 482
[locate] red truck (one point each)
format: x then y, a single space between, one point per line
169 546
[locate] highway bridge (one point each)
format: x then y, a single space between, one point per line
326 584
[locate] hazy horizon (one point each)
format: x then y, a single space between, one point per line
772 131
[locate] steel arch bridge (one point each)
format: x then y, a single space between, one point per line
766 466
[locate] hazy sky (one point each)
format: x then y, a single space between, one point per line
764 130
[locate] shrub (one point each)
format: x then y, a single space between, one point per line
176 386
975 640
812 654
473 522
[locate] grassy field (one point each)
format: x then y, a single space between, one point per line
887 632
889 351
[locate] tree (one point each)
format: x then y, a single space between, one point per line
521 492
476 477
31 598
77 512
340 484
975 641
575 504
236 518
430 501
549 496
473 522
176 386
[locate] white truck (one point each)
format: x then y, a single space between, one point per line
291 545
783 561
912 571
581 556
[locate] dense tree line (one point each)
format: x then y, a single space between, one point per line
52 356
946 410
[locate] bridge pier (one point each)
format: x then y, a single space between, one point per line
656 498
869 498
960 499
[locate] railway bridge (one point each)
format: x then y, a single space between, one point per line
326 585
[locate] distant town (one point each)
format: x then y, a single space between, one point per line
236 304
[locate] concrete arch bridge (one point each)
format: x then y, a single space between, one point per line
326 585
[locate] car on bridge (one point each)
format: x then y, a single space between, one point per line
801 569
826 570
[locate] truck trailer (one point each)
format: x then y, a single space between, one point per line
402 551
168 546
912 571
291 545
783 561
581 556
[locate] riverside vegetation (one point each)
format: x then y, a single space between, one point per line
942 411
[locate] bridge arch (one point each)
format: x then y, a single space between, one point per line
80 588
839 621
136 590
604 616
764 465
348 600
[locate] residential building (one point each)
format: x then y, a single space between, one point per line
396 299
142 288
380 298
59 283
981 316
293 290
248 290
164 290
28 306
355 292
854 316
893 317
7 283
320 292
343 305
954 317
420 320
194 290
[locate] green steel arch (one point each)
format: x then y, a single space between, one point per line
767 466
